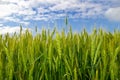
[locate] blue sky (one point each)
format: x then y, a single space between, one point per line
48 13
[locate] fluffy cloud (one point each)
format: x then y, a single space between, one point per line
21 11
26 12
16 20
1 25
8 29
12 19
22 7
6 10
113 14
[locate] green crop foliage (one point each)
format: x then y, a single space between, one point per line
60 56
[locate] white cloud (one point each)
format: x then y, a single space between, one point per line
12 19
42 10
81 9
38 17
16 20
9 29
21 10
26 12
13 1
113 14
25 8
41 18
64 5
6 10
24 23
15 7
1 24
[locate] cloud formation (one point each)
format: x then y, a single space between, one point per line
22 11
113 14
9 29
52 8
7 10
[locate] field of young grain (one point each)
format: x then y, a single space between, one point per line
54 55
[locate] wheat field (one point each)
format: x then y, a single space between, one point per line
54 55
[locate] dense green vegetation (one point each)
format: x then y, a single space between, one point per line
60 56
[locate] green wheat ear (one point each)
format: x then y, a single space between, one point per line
20 28
66 21
36 29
